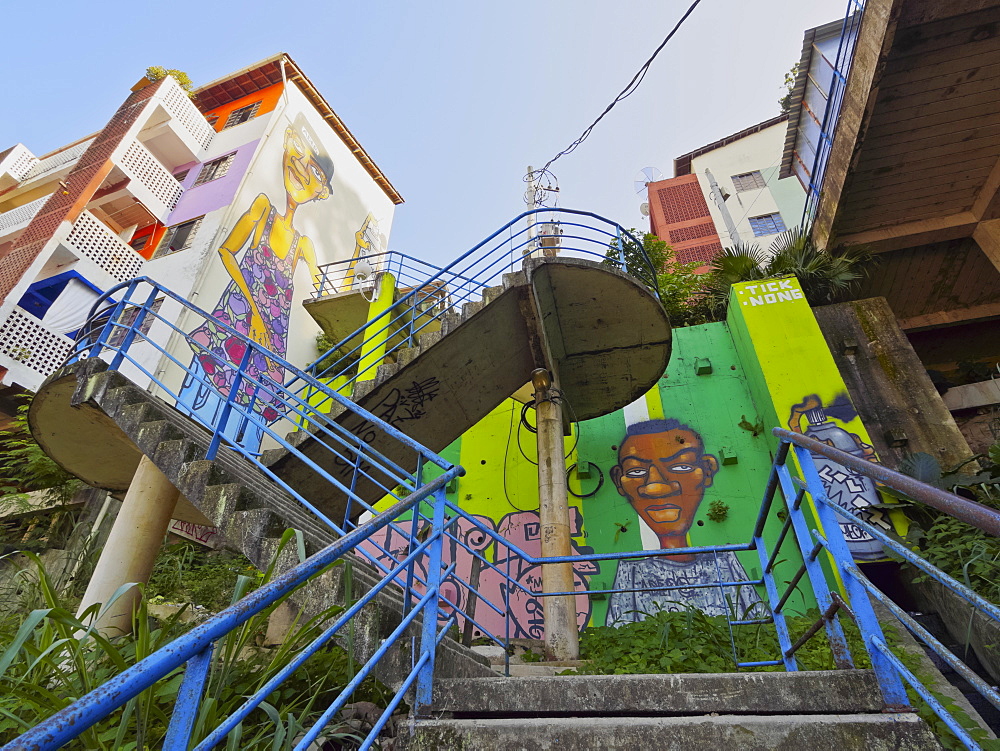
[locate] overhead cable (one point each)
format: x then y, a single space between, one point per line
626 92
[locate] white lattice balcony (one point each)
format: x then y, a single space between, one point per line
17 219
184 115
15 164
151 182
29 350
90 238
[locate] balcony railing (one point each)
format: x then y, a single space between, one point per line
18 218
154 186
178 104
90 238
25 339
56 161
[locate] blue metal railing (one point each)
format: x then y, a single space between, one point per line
840 69
431 293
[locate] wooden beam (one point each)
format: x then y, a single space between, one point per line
987 237
911 234
944 317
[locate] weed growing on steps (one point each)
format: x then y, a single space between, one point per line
692 642
45 666
186 572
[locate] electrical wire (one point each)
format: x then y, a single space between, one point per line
625 93
510 432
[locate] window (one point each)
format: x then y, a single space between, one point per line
241 115
128 318
768 224
214 169
179 177
177 238
748 181
138 243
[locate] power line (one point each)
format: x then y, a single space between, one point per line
626 92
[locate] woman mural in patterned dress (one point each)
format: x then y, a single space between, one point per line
257 302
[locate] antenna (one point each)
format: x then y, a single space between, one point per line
644 177
644 208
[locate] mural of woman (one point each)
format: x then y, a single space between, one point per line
260 255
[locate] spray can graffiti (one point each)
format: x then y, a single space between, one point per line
849 490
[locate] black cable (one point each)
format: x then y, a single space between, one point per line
625 93
506 450
600 482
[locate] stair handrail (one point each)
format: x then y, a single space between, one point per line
194 647
978 515
401 309
890 671
111 315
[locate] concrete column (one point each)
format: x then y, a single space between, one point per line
562 639
132 546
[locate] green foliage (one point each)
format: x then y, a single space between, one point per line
188 573
157 72
324 345
24 467
692 642
826 276
718 511
45 665
785 102
963 552
680 287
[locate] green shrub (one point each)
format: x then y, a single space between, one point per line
45 665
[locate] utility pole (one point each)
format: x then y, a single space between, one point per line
562 639
531 199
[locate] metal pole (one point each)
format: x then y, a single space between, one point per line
562 640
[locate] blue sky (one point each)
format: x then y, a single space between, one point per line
452 100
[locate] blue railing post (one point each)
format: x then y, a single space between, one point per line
188 700
133 329
418 480
428 635
889 681
784 640
817 579
234 390
109 326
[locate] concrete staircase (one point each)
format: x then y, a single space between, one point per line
231 493
606 335
807 710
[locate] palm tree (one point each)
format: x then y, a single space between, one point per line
826 276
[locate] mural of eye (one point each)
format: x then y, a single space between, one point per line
682 468
637 472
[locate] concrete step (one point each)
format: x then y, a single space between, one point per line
539 669
814 692
874 732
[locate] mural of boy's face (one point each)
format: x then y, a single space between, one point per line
664 476
304 178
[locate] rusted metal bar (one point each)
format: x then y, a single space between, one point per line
470 608
816 625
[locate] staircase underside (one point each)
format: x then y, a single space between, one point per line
605 335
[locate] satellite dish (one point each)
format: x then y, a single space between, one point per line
645 176
644 208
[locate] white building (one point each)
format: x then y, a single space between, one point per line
160 191
739 178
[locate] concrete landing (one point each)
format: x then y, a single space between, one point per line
878 732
